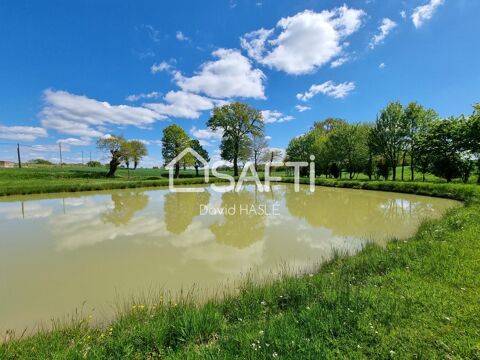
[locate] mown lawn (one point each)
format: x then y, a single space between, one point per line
413 299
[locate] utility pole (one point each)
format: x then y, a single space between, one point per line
90 156
60 147
82 157
18 155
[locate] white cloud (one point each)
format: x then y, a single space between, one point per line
425 12
383 30
75 141
302 108
181 104
328 88
382 65
338 62
307 40
268 137
231 75
163 66
150 95
22 133
206 134
181 36
403 14
270 117
84 117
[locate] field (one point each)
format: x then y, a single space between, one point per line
417 298
77 178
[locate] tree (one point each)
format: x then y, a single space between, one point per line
388 135
116 146
195 145
272 155
238 121
94 163
174 141
138 150
348 146
473 136
417 119
242 150
259 145
441 146
300 148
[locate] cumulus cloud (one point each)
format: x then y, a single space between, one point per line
301 108
182 104
206 134
382 66
231 75
425 12
403 14
328 88
150 95
181 36
74 141
383 30
270 117
163 66
338 62
22 133
84 117
306 41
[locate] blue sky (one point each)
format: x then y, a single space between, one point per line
72 71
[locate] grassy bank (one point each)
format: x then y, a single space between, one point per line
418 298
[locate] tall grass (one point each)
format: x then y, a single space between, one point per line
414 299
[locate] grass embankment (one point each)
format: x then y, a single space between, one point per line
418 298
68 179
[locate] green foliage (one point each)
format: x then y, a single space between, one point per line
40 162
195 145
238 121
137 151
412 298
94 164
117 147
174 141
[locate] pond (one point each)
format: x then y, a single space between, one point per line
70 251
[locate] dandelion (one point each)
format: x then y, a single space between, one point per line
263 303
275 354
392 352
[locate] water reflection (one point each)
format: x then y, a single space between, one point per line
244 226
70 248
125 205
181 208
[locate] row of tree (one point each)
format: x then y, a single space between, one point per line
243 138
122 151
401 136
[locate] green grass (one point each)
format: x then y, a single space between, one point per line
412 299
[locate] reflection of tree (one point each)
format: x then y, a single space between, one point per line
357 213
242 228
126 204
181 208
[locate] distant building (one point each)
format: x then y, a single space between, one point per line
7 164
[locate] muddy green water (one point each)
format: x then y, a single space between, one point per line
86 251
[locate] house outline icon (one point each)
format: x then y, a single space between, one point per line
171 168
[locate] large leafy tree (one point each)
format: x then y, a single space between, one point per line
348 146
441 147
238 121
138 151
117 147
472 136
388 135
417 119
240 150
174 141
195 145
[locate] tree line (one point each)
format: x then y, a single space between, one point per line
401 136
